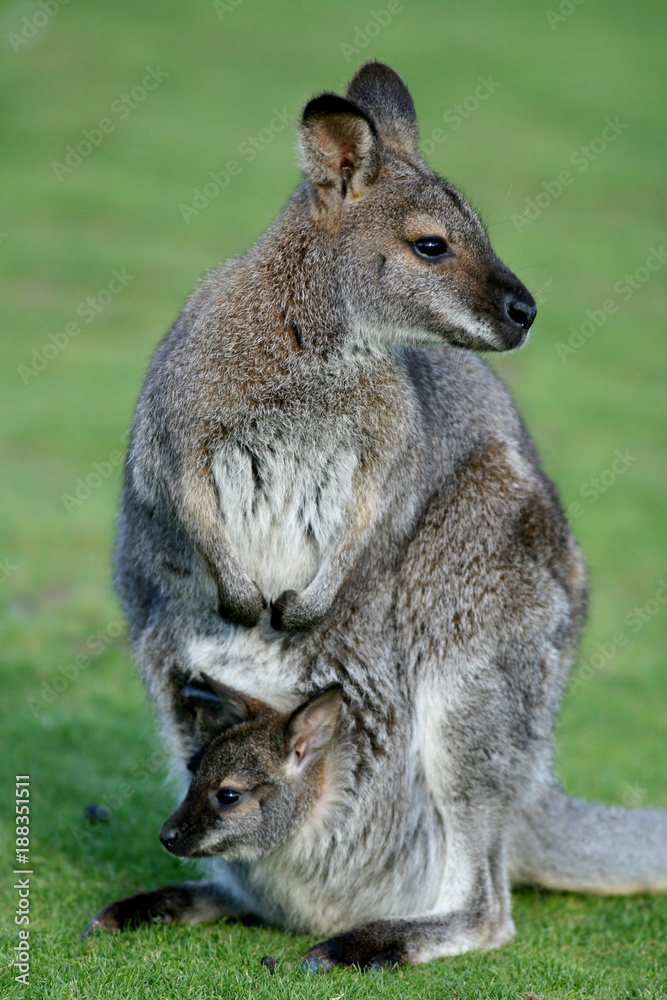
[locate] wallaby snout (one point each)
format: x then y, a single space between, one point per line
521 310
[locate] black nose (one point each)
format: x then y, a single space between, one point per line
521 311
169 836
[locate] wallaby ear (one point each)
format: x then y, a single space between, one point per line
381 93
311 727
339 147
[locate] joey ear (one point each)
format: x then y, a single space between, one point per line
339 146
213 707
311 727
381 93
236 707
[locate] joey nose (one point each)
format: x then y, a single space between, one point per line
521 309
169 836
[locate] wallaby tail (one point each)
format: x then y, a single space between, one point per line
565 843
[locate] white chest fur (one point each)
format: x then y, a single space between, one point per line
284 500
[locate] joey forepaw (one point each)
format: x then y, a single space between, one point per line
185 903
142 908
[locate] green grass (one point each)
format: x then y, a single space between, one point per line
120 209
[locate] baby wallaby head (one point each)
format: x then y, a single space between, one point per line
414 262
257 779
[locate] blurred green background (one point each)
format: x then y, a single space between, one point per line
113 116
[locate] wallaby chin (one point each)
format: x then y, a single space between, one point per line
351 588
472 338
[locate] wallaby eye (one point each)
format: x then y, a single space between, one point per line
430 247
228 796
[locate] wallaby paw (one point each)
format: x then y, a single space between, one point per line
242 610
291 612
278 606
365 947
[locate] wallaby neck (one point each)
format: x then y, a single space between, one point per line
293 281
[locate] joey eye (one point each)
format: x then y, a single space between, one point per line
227 796
431 247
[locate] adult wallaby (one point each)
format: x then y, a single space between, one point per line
316 434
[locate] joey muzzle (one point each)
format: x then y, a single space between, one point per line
180 836
170 835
